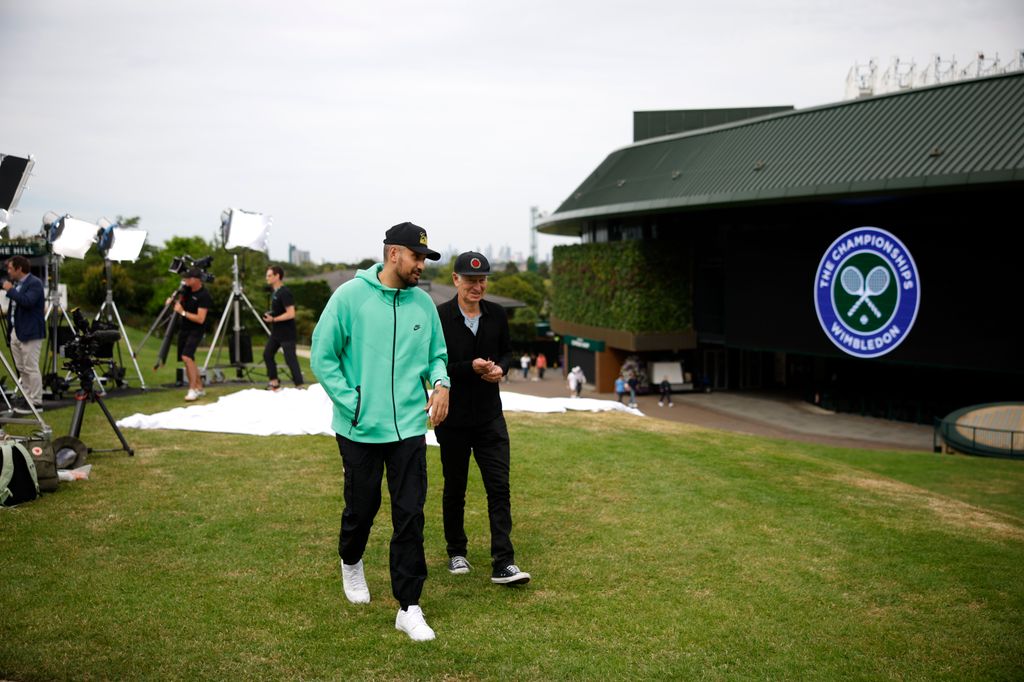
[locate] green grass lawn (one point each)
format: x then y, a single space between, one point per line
658 551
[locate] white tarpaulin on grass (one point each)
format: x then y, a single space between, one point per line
298 412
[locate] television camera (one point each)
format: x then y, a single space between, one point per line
91 342
180 265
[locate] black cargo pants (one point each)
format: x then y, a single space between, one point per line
406 464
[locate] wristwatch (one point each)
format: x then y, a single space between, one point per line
443 383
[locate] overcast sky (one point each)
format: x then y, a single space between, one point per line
340 119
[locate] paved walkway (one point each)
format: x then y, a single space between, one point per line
759 414
763 414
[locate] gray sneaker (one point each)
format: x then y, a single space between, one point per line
458 565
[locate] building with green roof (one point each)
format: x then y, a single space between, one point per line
865 254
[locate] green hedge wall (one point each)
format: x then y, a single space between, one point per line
636 286
311 295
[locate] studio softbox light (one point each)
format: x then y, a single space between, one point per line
75 238
127 244
247 229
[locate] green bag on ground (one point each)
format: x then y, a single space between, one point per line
18 481
45 460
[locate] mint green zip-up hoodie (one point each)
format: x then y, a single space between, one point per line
375 351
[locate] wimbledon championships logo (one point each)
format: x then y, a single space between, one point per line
867 292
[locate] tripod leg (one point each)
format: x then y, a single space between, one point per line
110 419
220 328
254 313
124 335
156 323
79 414
165 345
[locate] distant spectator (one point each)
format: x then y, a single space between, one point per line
576 381
666 393
542 364
524 363
620 388
632 383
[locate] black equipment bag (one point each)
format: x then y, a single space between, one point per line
245 348
17 474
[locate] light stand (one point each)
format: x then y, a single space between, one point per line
53 227
250 230
111 240
234 307
110 307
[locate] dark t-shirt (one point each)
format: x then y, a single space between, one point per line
279 302
192 301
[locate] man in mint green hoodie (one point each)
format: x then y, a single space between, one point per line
376 349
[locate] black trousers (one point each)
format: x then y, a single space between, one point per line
289 357
406 464
490 446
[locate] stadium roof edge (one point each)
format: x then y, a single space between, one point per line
779 156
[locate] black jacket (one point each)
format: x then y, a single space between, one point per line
472 400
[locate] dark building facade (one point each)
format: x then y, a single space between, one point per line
866 254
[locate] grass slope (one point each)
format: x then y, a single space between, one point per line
658 550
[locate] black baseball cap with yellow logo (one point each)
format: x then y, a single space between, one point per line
412 237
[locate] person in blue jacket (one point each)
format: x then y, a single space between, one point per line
28 329
376 349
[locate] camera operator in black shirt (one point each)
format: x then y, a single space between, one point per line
281 319
193 305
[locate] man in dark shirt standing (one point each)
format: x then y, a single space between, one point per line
193 305
476 333
281 319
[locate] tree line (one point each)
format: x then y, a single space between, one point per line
141 287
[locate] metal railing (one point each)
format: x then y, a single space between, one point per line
980 439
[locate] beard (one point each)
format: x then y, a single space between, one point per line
410 278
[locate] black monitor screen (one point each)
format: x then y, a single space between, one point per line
13 170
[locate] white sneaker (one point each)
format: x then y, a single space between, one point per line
200 392
411 622
354 581
191 396
661 404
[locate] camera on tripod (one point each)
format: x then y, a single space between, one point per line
180 265
91 342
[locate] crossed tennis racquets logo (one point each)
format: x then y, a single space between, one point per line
853 282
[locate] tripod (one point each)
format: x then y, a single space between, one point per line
166 318
111 308
234 306
87 376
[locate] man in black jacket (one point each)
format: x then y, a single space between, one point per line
476 333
